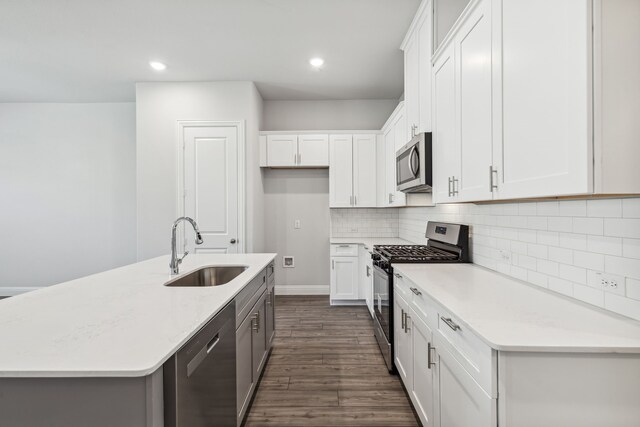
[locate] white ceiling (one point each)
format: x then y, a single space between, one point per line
95 50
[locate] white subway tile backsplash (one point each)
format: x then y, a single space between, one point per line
622 305
625 266
604 245
573 273
588 260
588 295
626 227
631 208
573 241
631 248
364 223
604 208
573 208
563 245
565 256
633 289
560 223
588 226
561 286
548 209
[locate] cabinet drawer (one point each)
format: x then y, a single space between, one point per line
401 285
423 306
350 249
248 296
477 358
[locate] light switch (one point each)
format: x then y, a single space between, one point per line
296 224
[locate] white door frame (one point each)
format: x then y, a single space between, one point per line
240 129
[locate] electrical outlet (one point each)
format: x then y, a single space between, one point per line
505 256
288 261
606 281
296 224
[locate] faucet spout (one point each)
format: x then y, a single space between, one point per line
175 261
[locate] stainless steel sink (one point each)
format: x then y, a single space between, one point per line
209 276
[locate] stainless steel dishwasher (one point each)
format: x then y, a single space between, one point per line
200 379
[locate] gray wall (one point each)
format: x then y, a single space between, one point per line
353 114
302 195
67 178
159 106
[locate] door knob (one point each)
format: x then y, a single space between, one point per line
232 241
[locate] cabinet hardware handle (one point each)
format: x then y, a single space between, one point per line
449 188
368 271
254 323
397 275
492 186
450 323
343 246
416 291
268 298
406 323
402 318
429 360
455 186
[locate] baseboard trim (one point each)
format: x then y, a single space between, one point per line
6 291
348 302
302 289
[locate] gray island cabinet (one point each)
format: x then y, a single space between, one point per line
117 373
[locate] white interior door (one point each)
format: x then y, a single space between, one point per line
211 187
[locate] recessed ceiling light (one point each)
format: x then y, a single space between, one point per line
158 66
316 62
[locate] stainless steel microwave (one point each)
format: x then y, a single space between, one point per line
414 165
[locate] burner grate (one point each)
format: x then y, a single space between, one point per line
417 253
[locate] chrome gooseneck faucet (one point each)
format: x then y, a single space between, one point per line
175 261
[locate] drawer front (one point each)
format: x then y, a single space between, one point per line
344 250
249 295
401 285
477 358
423 306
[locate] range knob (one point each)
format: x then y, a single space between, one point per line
375 257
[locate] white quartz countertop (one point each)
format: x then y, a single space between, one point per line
510 315
369 241
120 323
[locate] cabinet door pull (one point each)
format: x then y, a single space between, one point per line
406 322
416 291
492 185
397 275
368 271
254 322
455 186
430 363
449 188
450 323
402 319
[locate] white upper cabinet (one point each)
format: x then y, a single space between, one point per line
393 131
546 105
352 171
473 46
411 87
540 110
445 142
341 171
364 170
313 150
294 151
417 48
282 150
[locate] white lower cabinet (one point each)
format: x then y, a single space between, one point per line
344 278
461 402
441 390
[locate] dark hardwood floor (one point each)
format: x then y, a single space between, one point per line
325 369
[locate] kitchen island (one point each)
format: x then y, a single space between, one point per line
89 350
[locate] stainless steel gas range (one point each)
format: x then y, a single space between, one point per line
446 243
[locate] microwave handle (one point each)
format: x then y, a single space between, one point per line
413 151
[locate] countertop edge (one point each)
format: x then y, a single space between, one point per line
525 348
